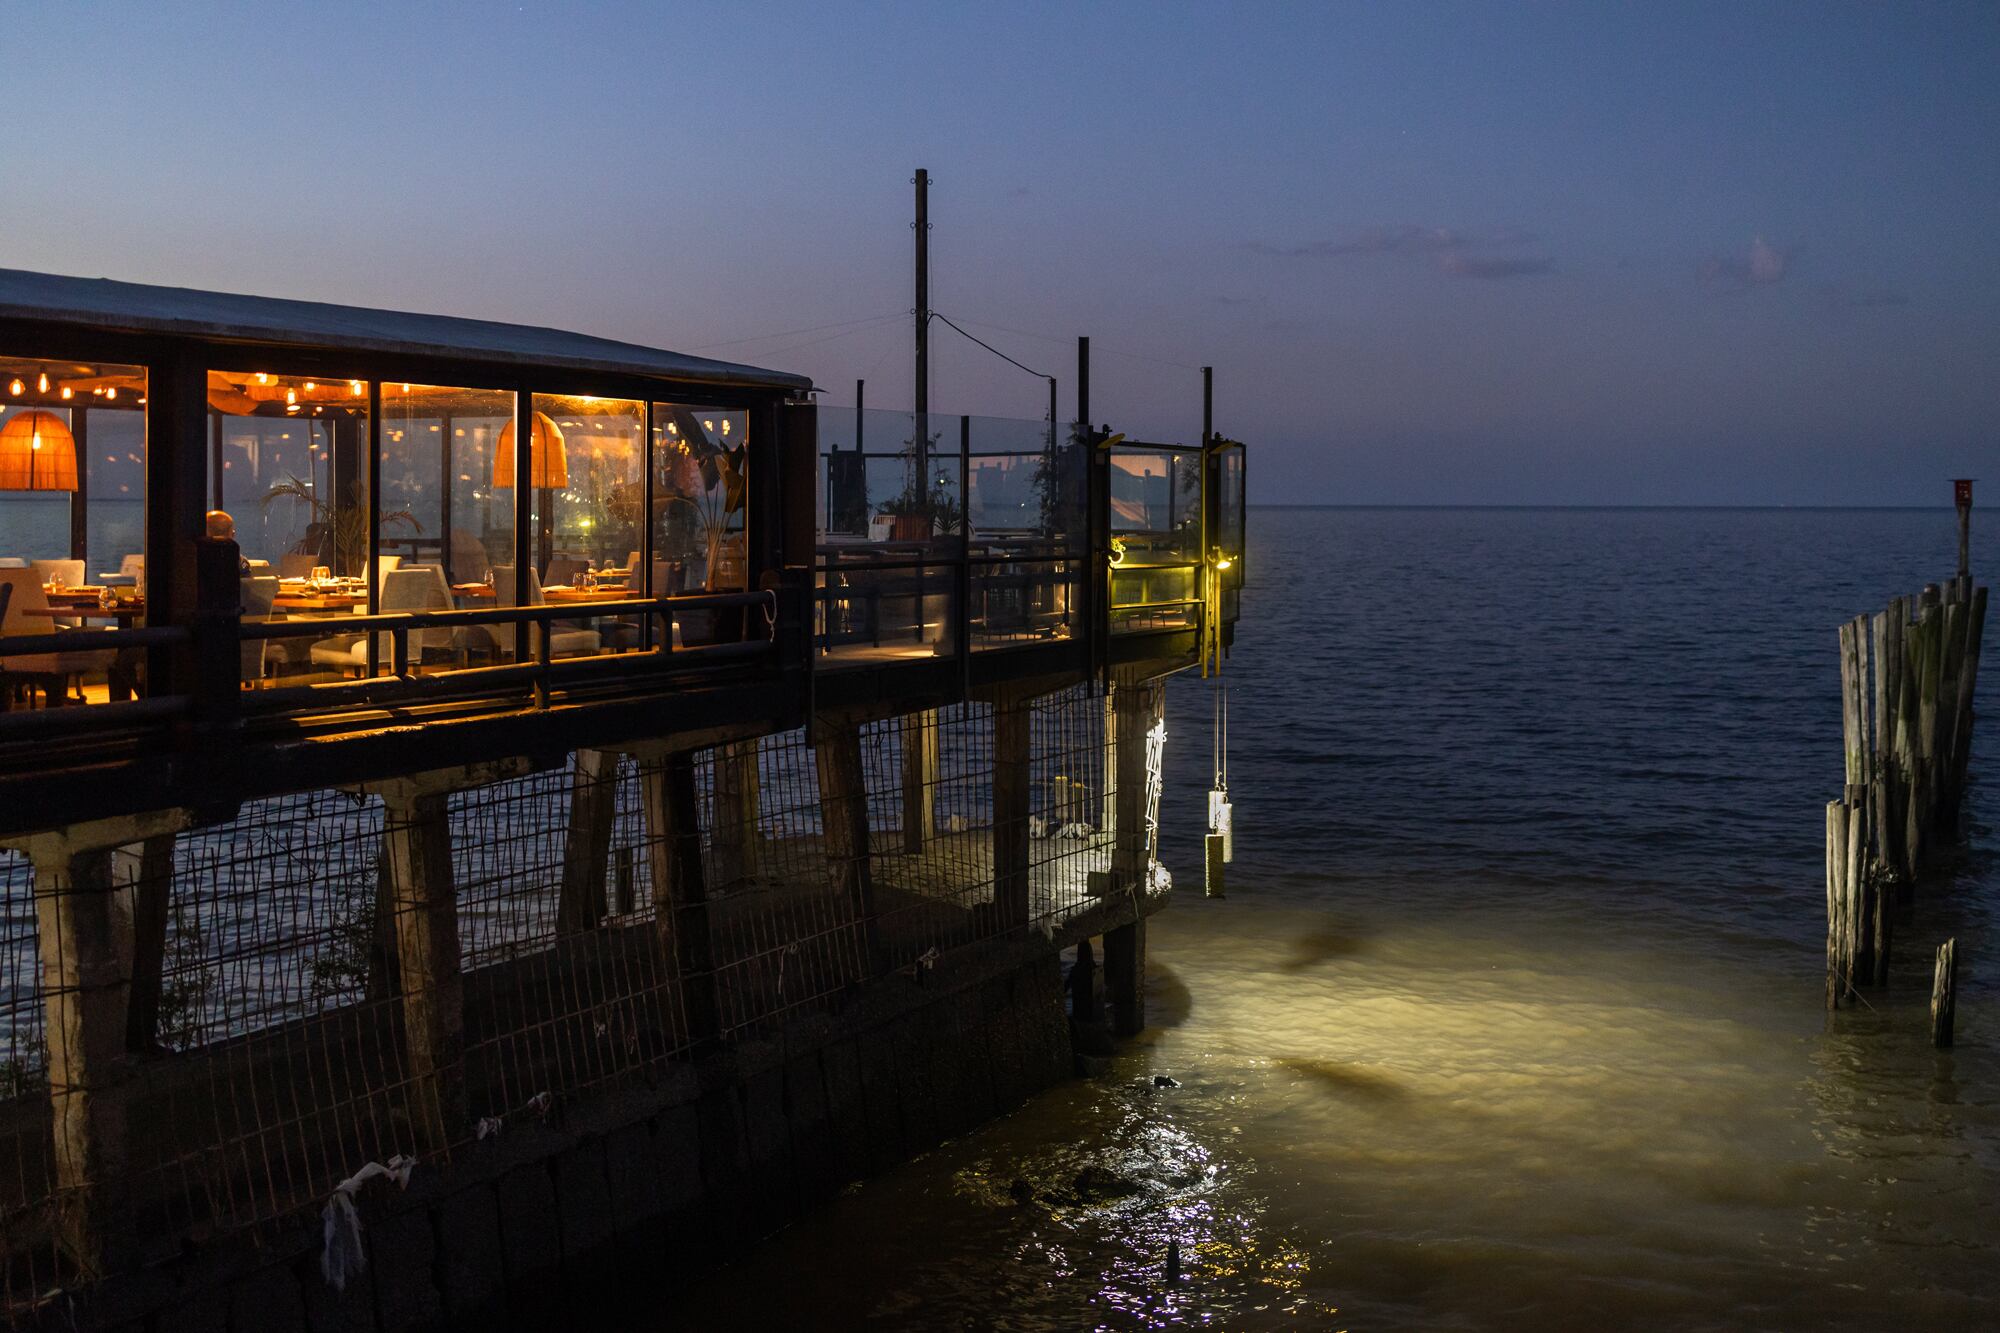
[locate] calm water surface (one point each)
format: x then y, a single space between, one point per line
1513 1017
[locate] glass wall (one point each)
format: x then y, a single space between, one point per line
1025 497
701 497
891 531
438 450
1155 505
288 464
72 464
588 460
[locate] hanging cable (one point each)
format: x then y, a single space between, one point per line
946 319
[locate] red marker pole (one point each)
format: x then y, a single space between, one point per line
1961 490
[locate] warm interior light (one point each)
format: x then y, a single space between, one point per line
111 392
37 453
548 463
354 387
262 378
67 391
42 383
310 386
292 397
15 388
1223 562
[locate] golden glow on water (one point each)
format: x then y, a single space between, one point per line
1441 1120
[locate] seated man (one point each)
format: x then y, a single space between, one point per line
222 528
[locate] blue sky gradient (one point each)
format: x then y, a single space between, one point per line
1436 253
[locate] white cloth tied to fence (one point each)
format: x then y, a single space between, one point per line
344 1258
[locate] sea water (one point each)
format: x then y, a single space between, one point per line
1513 1017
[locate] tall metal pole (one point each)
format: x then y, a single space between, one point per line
1207 404
922 314
1083 384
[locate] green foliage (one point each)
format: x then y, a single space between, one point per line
345 523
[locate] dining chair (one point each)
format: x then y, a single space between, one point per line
27 598
258 592
416 588
564 641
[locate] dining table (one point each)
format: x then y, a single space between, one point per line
126 614
561 596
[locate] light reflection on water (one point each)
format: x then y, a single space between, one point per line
1513 1019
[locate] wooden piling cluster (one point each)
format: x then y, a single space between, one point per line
1907 679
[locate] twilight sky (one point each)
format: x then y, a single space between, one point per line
1476 253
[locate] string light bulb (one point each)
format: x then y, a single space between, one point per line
68 393
42 382
15 388
111 393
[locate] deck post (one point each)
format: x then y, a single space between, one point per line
593 805
843 804
83 990
736 799
1132 715
680 891
1012 799
151 893
86 999
920 762
417 831
1125 976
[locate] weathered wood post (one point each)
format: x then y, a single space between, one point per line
1944 993
737 803
151 896
86 991
593 807
1135 706
1961 494
83 996
416 828
1968 681
1868 915
920 768
843 805
1012 799
680 891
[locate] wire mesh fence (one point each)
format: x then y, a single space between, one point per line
278 980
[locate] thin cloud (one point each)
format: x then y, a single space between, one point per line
1405 239
1457 253
1475 266
1765 265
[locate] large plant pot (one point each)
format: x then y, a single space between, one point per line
909 527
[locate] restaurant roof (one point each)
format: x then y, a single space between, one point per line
140 308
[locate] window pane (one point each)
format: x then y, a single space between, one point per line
700 496
438 451
589 487
293 474
72 516
91 424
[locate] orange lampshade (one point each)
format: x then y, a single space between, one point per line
548 466
37 453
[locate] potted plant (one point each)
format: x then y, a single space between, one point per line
343 527
924 508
